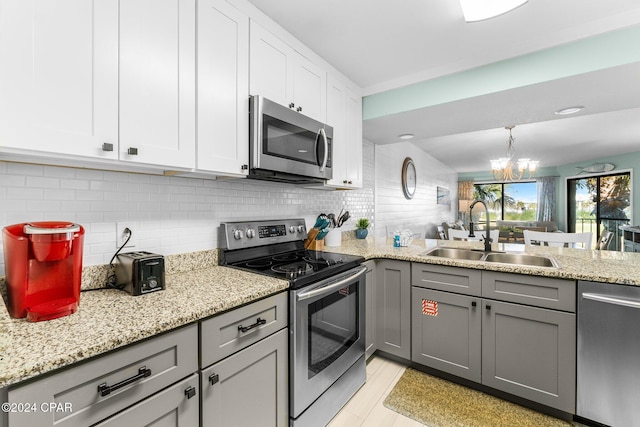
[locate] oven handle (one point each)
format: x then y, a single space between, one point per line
332 287
326 149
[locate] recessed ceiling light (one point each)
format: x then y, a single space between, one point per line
569 110
406 136
476 10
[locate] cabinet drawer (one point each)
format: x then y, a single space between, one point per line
222 335
169 358
177 405
444 278
546 292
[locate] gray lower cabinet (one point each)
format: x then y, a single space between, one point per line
249 388
530 352
370 309
502 339
93 391
446 332
393 302
176 406
244 358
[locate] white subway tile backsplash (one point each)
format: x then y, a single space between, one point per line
174 214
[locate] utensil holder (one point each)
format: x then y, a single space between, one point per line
334 238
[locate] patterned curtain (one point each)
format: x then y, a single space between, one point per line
546 198
465 190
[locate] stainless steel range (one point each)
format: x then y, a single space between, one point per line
326 312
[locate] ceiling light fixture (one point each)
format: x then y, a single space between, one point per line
479 10
569 110
406 136
506 169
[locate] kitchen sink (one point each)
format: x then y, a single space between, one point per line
496 257
521 259
456 253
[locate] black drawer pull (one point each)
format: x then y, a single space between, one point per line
259 322
104 389
133 151
473 303
213 379
488 307
190 392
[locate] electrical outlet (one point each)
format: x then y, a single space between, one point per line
121 235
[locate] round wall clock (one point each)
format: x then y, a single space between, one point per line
409 181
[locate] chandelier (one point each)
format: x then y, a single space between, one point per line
507 169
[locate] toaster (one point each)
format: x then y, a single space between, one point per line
140 272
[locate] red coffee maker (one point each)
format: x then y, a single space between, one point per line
43 267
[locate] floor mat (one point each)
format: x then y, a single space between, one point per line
438 403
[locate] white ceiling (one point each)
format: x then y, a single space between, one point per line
382 45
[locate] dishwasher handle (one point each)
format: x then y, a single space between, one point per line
611 300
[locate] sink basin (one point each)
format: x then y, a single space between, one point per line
521 259
455 253
498 257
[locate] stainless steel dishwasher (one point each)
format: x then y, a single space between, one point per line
608 376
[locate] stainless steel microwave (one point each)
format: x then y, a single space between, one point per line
287 146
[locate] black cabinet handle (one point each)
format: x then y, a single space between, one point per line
488 307
291 105
244 167
104 389
473 304
213 379
259 322
190 392
133 151
107 146
299 109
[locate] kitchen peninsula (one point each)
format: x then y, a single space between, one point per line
197 288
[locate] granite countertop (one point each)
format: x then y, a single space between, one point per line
109 319
197 288
577 264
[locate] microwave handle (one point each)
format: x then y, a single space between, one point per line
326 149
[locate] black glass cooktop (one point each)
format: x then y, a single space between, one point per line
301 267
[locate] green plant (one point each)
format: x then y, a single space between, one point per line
362 224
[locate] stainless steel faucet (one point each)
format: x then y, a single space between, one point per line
487 237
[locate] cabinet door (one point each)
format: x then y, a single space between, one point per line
249 388
530 352
309 87
157 82
269 66
176 406
393 316
353 135
223 88
336 118
446 332
59 76
370 309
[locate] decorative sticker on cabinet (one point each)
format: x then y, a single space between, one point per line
429 307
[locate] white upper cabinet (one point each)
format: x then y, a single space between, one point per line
223 88
99 79
157 82
280 73
59 76
344 114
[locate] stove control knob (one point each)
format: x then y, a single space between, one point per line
292 229
251 233
238 234
301 229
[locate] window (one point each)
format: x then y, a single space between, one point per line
515 201
599 203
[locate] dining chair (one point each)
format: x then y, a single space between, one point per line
558 239
464 235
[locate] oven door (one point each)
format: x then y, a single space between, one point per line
285 141
327 335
